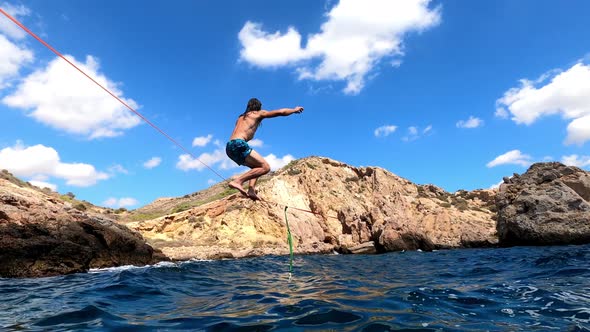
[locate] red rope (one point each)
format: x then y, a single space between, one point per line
22 26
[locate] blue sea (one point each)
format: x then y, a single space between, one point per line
511 289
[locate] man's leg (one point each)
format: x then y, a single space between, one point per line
258 166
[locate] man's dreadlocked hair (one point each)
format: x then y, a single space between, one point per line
253 105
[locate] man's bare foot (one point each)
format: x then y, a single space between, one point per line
252 194
238 187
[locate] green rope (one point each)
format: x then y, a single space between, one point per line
290 240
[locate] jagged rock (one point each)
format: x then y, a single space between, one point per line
40 237
348 206
363 248
549 204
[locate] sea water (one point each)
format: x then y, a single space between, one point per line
510 289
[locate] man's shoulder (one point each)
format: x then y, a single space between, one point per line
257 114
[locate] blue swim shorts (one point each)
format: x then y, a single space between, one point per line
237 150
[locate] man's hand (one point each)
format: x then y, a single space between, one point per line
298 109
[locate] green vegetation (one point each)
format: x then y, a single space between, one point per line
353 178
189 205
294 171
461 204
145 216
184 206
11 178
290 164
80 206
66 198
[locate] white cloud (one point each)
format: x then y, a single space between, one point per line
276 163
118 169
497 185
186 162
61 97
472 122
39 160
575 160
384 131
211 182
514 157
154 162
502 113
8 27
256 143
415 133
578 131
352 42
12 58
566 94
43 184
202 140
218 157
120 202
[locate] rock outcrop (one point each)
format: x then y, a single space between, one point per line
547 205
41 235
354 210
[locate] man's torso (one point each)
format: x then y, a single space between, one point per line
246 126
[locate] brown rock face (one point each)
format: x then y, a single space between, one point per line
355 210
43 236
549 204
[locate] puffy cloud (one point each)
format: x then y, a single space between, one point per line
153 162
256 143
497 185
472 122
567 93
514 157
120 202
8 27
575 160
12 58
218 157
276 162
352 42
43 184
39 160
60 97
202 140
186 162
384 131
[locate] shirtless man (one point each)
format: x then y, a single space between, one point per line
241 153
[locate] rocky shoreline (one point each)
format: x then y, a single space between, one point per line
42 235
355 211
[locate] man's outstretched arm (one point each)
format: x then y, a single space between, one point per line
281 112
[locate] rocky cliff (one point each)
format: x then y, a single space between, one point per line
330 206
41 234
547 205
351 209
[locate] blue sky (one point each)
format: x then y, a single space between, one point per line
453 93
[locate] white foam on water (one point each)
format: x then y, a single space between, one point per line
508 311
118 268
533 313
